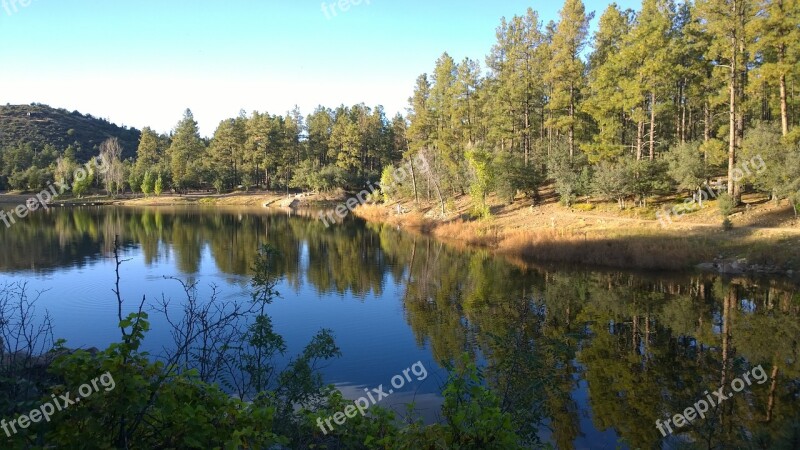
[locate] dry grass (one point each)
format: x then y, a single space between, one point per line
379 213
603 236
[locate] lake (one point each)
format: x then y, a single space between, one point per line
590 358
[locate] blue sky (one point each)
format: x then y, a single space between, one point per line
141 63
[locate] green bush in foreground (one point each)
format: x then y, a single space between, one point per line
153 406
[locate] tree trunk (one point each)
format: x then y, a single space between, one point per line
732 123
414 180
683 116
571 122
771 397
784 111
652 125
527 138
639 139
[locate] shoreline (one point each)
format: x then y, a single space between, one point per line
561 235
547 233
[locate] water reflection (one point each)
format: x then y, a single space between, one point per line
585 359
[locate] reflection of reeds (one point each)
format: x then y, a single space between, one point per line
641 252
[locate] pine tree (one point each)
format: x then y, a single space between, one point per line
647 53
420 129
226 153
605 98
158 188
727 23
516 91
566 70
185 152
147 183
779 46
147 154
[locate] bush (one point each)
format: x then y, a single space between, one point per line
613 181
725 203
572 177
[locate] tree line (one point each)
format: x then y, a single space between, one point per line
668 98
657 101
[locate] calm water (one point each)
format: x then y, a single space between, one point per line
590 358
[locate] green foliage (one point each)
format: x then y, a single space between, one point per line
473 414
794 200
725 204
571 176
649 177
511 175
687 166
614 181
309 175
727 225
150 405
144 402
185 153
482 179
147 183
133 179
225 152
566 74
715 153
772 163
83 182
158 188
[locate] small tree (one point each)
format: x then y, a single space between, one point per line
482 179
147 183
794 199
159 186
687 167
82 184
726 203
613 181
113 174
571 175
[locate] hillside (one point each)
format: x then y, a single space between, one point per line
41 125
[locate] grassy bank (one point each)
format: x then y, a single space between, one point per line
765 238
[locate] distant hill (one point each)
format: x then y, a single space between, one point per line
40 125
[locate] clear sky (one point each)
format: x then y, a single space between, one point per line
141 63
